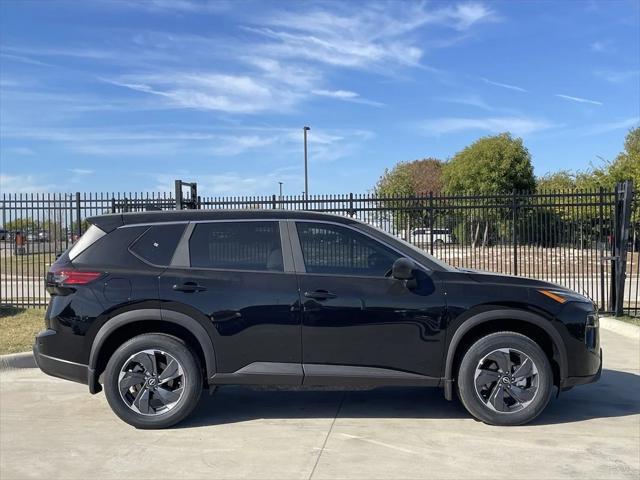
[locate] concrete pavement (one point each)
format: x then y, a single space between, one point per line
54 429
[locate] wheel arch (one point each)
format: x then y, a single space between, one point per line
515 320
126 325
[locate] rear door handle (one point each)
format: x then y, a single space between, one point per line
320 295
189 287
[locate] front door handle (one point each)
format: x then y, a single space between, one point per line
320 295
189 287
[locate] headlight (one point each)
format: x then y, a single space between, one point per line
564 296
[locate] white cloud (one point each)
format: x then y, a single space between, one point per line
80 171
579 99
617 76
601 46
515 125
347 96
471 100
25 184
363 36
504 85
612 126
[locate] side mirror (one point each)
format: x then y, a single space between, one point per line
403 269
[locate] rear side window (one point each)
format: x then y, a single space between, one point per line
237 246
158 243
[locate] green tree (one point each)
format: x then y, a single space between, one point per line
557 181
418 177
491 165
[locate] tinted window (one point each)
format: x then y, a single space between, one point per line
237 246
158 243
342 251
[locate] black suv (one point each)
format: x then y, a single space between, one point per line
153 307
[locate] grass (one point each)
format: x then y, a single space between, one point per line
31 265
18 326
631 320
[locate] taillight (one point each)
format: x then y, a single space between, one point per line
63 276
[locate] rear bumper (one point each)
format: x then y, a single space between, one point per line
571 382
57 367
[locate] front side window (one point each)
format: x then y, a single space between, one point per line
332 249
237 246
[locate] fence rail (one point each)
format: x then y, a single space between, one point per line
588 241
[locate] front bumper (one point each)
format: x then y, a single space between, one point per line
571 382
57 367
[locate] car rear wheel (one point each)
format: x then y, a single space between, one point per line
153 381
505 379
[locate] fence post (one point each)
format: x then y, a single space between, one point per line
273 201
178 185
431 223
78 215
514 232
352 212
624 197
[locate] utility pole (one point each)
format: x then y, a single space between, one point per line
280 198
306 170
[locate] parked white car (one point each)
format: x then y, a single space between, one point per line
421 237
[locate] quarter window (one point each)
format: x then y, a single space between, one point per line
237 246
332 249
158 243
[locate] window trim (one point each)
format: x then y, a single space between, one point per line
301 268
182 255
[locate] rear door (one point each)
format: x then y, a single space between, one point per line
237 277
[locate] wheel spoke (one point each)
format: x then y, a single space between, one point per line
522 395
524 370
503 359
486 377
142 400
170 372
147 360
130 379
497 399
168 396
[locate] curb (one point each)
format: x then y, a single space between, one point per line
17 360
620 327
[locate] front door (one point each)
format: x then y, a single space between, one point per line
358 321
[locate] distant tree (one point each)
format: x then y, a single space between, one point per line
626 166
553 182
22 225
411 178
491 165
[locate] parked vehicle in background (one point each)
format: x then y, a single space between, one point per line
153 307
421 237
4 234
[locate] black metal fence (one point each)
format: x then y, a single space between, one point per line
588 241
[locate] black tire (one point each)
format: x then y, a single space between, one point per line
498 406
188 383
438 243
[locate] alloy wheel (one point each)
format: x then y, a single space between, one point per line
506 380
151 382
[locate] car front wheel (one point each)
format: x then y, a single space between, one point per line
505 379
153 381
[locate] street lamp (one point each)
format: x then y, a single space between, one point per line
306 171
280 184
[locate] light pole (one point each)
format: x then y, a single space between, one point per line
306 170
280 184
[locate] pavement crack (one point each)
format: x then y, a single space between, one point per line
326 438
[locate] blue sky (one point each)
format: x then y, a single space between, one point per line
125 96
